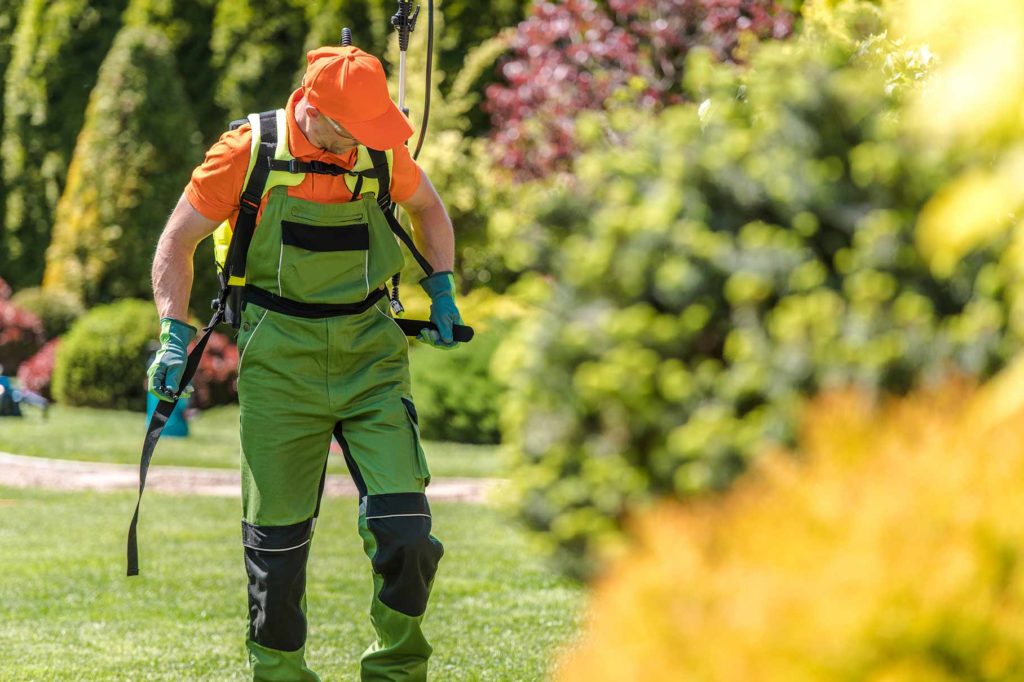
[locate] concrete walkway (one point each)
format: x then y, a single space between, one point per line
18 471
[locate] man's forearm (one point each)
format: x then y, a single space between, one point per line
172 264
172 277
434 236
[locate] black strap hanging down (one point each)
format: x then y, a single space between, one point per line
234 264
156 427
380 166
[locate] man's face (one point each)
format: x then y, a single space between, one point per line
332 136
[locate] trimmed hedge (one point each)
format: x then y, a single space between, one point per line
456 397
102 361
716 265
57 48
58 310
132 159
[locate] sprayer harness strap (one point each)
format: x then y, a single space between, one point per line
249 201
234 264
387 207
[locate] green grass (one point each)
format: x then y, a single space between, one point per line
68 613
116 436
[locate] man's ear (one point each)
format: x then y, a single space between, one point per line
312 111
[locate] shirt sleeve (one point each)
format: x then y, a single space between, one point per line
217 182
405 174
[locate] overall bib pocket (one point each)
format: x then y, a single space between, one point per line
325 263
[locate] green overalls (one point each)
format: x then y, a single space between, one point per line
306 373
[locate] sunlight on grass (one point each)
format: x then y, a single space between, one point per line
94 435
68 612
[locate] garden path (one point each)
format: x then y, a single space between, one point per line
18 471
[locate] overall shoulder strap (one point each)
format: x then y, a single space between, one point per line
387 207
252 194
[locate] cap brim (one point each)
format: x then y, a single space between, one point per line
387 131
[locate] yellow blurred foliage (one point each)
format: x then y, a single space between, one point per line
972 106
888 550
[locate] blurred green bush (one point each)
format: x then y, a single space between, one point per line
132 159
57 48
888 550
715 265
102 361
456 397
56 309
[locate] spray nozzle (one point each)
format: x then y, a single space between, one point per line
404 21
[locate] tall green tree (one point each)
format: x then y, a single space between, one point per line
8 17
56 51
257 49
132 159
189 27
370 21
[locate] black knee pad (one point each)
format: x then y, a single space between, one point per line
407 554
275 559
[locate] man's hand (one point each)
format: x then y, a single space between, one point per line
441 288
169 364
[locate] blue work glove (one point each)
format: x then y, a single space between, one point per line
169 363
440 286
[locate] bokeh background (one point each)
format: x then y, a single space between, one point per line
746 275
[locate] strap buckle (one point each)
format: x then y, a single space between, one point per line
249 202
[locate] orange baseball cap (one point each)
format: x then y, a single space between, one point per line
349 85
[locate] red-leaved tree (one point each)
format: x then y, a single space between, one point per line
21 335
571 56
215 379
36 373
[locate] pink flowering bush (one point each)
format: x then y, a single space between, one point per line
21 335
572 56
35 373
215 379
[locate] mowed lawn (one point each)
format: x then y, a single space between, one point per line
67 612
116 436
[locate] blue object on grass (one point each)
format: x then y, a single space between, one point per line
177 425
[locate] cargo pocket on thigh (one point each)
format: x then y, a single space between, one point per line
422 471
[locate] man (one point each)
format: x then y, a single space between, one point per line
320 354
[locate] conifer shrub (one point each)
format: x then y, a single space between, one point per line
57 48
888 549
716 265
133 157
8 18
102 361
257 50
189 27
